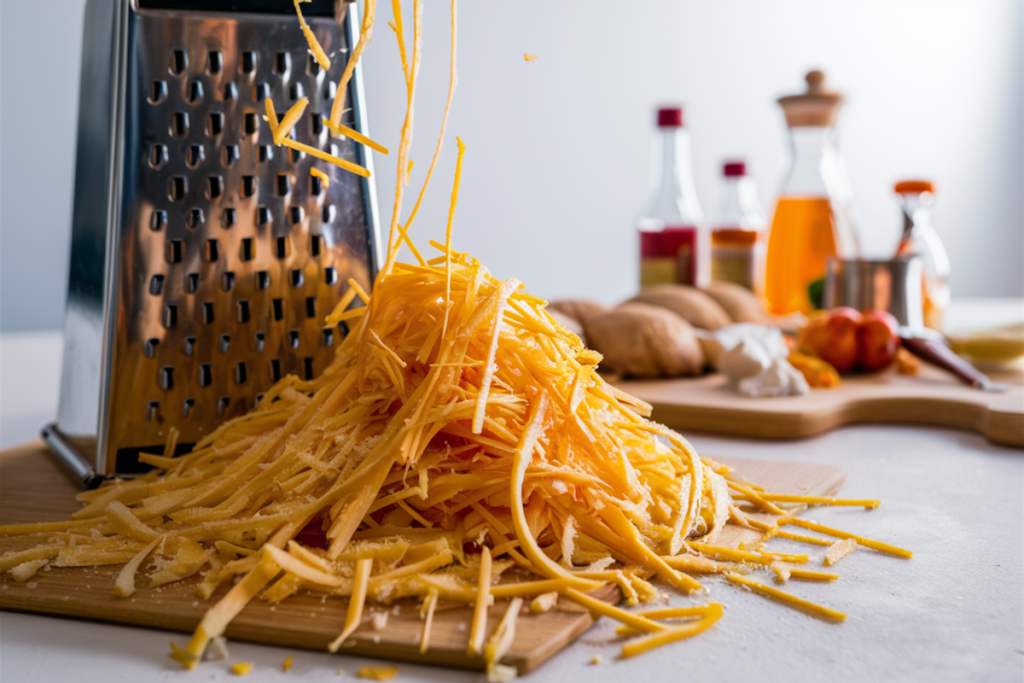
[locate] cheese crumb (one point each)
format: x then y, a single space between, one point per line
838 551
287 663
542 603
596 659
377 673
500 673
380 621
26 570
530 57
242 669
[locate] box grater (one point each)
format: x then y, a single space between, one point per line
203 258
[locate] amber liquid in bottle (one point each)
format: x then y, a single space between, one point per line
801 241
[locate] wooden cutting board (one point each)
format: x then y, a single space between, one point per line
932 397
35 488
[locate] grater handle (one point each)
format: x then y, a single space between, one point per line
85 472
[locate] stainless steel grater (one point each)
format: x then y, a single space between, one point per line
203 258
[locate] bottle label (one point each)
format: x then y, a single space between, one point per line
668 255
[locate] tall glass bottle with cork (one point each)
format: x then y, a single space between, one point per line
813 215
672 248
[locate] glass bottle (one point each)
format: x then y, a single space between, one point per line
736 244
917 198
670 237
813 215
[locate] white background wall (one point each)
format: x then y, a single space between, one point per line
557 150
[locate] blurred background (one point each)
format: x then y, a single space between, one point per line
557 150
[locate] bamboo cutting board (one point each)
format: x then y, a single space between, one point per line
34 488
932 397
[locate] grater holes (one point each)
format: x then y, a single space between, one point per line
307 367
241 374
282 63
175 251
315 184
282 247
297 214
195 92
157 92
157 220
248 249
187 406
167 377
328 213
278 306
205 375
215 124
171 316
195 155
284 184
312 66
227 219
153 411
264 154
295 155
296 92
194 219
222 405
260 92
310 306
247 62
243 311
212 250
224 344
275 370
296 277
156 285
251 125
207 312
191 283
330 90
214 186
179 124
248 185
334 150
330 276
230 92
293 338
227 281
327 337
315 244
188 347
260 341
316 124
259 397
262 279
177 187
229 154
215 62
157 156
150 347
179 62
263 215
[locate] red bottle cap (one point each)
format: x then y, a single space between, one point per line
670 117
733 169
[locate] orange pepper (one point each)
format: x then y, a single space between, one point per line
818 373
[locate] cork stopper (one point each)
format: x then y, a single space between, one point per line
816 107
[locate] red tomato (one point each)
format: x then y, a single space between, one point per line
878 338
840 350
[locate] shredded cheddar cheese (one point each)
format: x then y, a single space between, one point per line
786 598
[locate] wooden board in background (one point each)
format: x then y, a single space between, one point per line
932 397
35 488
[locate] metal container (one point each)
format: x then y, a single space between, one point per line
203 258
890 285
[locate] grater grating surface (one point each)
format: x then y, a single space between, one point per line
224 253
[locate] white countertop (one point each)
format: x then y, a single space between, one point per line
954 612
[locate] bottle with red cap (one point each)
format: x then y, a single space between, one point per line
736 244
670 235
